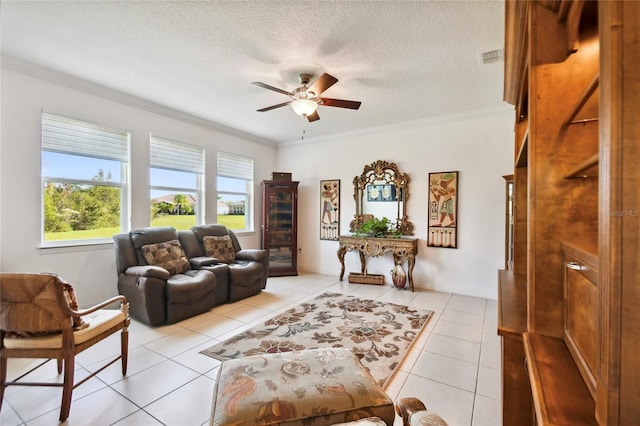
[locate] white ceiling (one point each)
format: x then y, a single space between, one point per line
404 60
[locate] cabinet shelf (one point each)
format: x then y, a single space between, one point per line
586 250
512 304
512 324
560 396
589 91
589 168
521 156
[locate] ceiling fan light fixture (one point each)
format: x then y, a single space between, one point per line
305 99
304 107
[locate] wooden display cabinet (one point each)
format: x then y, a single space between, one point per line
509 222
571 71
280 226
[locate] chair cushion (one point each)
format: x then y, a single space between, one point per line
369 421
245 274
168 255
220 247
426 418
314 386
99 321
182 288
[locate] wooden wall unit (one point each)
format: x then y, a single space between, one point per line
572 74
619 228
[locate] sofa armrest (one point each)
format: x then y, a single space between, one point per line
148 271
198 262
146 297
257 255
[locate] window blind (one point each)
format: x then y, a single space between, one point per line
69 136
171 155
235 166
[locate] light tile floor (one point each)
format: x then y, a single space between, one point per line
453 367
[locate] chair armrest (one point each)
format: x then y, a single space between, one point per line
200 261
256 255
123 305
414 412
148 271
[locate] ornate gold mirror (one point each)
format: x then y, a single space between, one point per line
382 191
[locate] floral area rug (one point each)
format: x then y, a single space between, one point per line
379 333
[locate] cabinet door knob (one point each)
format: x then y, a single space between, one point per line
576 266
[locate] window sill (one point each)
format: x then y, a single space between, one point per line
71 246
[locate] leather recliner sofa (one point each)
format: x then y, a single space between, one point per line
168 276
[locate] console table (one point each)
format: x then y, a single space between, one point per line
371 246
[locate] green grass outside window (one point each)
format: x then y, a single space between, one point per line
178 222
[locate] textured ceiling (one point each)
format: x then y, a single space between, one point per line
404 60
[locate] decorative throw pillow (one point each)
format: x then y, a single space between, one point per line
72 301
220 247
168 255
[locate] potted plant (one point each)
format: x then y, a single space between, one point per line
376 227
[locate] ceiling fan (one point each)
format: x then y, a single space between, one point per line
305 100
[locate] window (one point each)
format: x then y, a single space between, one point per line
235 191
176 177
85 170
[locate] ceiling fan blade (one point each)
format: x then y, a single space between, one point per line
340 103
313 117
322 83
275 89
269 108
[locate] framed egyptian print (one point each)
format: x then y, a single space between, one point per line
442 221
330 209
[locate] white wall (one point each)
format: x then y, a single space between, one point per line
479 146
92 269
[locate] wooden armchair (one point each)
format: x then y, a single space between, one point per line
39 318
414 413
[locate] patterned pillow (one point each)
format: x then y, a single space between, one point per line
220 247
168 255
72 301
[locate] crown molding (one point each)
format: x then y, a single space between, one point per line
424 122
47 74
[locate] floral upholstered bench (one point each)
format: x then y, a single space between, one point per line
311 387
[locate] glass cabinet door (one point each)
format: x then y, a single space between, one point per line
279 227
